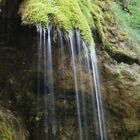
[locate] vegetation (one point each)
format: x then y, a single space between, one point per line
80 14
67 14
86 15
129 17
6 132
134 138
120 80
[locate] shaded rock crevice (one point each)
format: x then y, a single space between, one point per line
121 56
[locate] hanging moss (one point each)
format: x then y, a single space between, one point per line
99 20
80 14
66 14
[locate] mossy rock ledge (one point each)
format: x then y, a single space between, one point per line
66 15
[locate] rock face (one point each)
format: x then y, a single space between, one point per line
121 95
121 91
18 88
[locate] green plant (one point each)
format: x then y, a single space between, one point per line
66 14
130 23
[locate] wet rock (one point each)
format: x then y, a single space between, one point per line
121 92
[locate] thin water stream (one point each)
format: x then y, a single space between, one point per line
76 84
98 95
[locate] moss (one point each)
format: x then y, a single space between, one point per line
11 126
120 56
66 14
102 17
137 137
80 14
6 132
99 20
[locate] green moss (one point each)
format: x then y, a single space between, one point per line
102 19
66 14
98 17
134 137
69 14
120 56
11 126
6 132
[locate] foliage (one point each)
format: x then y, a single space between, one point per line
129 21
134 8
66 14
98 16
80 14
86 15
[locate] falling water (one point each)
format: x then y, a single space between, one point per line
79 45
40 51
98 95
62 54
45 73
40 54
45 66
88 70
50 79
45 62
76 84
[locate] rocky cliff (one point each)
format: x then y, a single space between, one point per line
118 60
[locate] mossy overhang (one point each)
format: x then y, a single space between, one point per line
67 15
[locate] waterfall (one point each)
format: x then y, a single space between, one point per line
83 60
78 37
89 71
62 55
99 104
76 83
50 78
40 51
45 66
